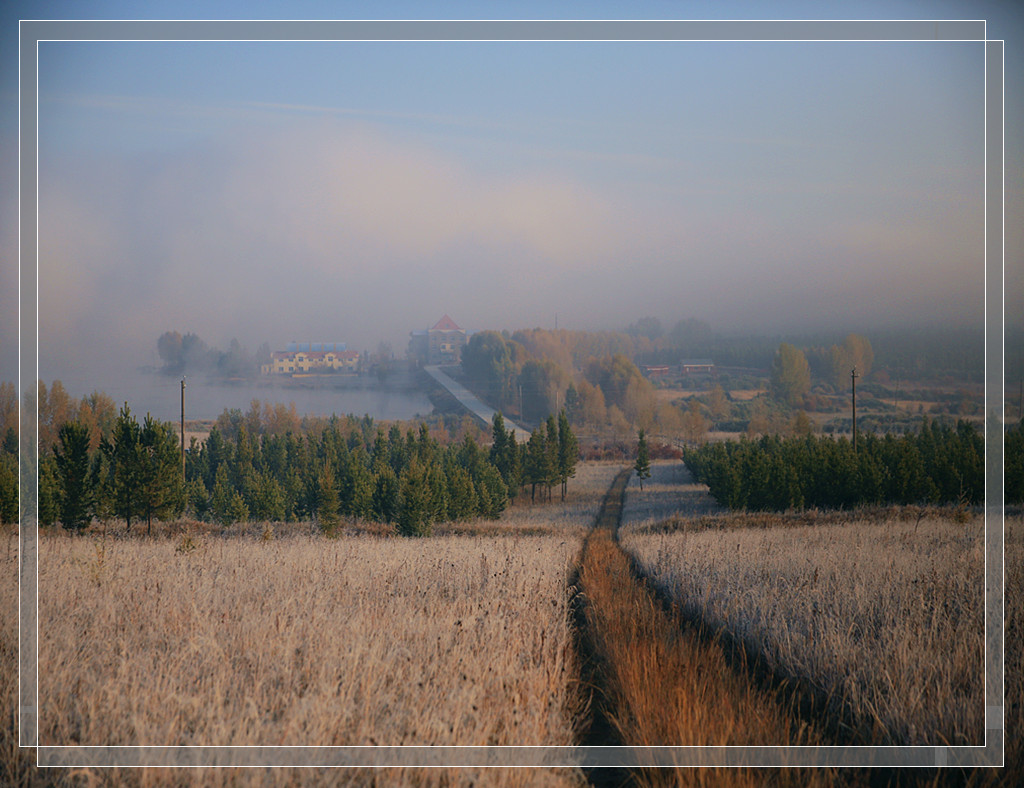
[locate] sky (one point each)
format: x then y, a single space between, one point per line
356 191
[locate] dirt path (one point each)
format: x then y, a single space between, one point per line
652 680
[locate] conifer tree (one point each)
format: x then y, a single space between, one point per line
237 510
71 455
8 487
122 460
160 491
48 491
643 460
220 497
385 493
568 451
491 492
462 497
535 466
413 517
552 460
327 502
198 498
268 501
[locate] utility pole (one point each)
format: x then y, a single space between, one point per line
853 382
183 430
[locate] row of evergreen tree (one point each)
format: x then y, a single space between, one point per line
350 468
937 464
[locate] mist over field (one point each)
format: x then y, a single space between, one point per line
358 191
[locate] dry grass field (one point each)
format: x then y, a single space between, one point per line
461 638
885 616
466 637
305 640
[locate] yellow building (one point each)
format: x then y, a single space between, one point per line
291 362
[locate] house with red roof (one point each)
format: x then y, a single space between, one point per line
442 343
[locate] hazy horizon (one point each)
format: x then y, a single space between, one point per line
357 191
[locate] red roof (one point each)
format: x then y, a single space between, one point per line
445 324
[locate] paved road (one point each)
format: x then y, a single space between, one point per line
474 405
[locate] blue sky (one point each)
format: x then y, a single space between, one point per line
272 191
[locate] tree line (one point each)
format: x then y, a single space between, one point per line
347 467
937 464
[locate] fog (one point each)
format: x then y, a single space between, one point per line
274 222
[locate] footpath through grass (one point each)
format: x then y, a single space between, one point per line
656 682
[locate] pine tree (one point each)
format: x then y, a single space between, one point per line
8 488
357 485
535 467
198 498
48 491
385 493
491 492
220 497
71 455
643 460
238 512
327 502
413 517
268 500
121 453
551 461
568 451
160 489
462 497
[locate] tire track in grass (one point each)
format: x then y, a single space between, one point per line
652 681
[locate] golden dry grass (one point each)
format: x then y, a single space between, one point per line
886 616
301 639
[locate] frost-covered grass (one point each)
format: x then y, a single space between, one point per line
883 614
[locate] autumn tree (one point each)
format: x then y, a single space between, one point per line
487 359
541 381
695 426
790 376
718 404
854 352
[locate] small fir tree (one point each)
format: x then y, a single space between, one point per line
327 502
643 459
76 491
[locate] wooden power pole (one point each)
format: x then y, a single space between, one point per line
183 430
853 382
